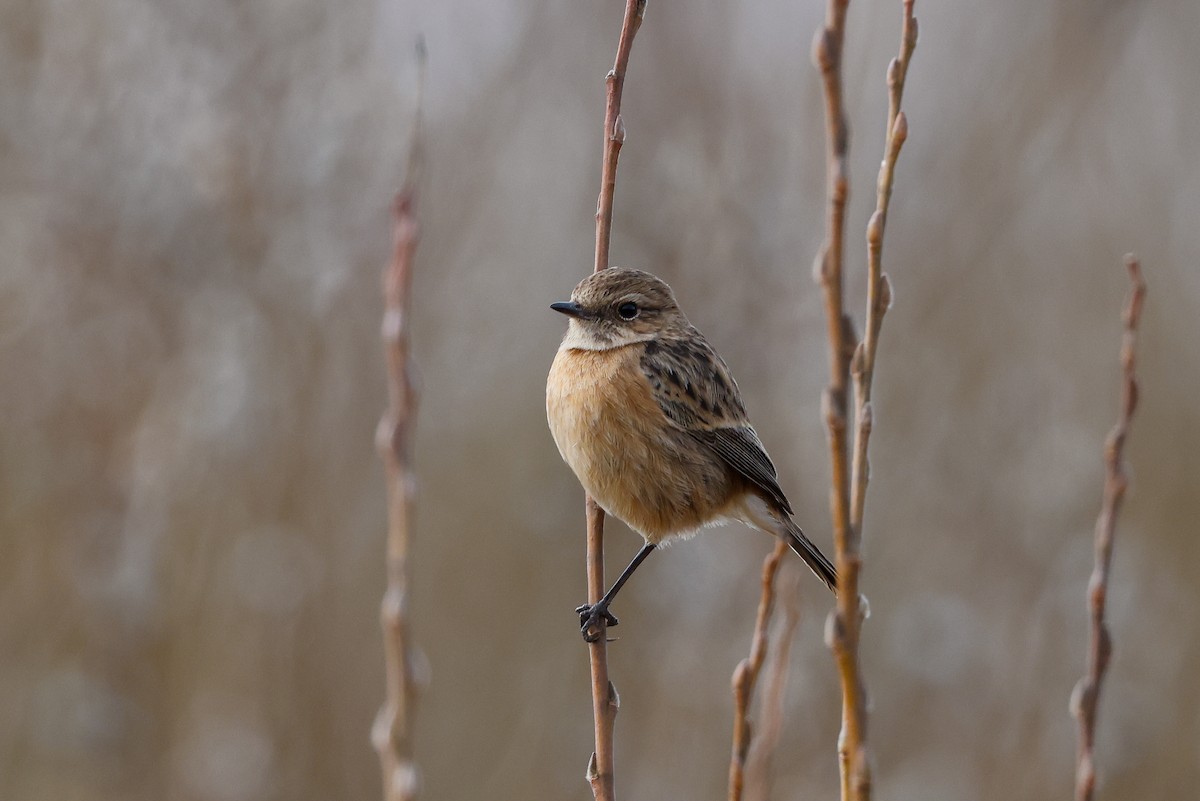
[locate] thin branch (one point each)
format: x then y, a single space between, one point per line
1086 698
762 746
827 270
879 290
392 730
746 674
605 700
827 55
614 129
848 501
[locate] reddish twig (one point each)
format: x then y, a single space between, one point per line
614 129
605 700
392 731
849 492
1086 698
827 54
879 290
746 674
770 706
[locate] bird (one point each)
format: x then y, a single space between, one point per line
649 418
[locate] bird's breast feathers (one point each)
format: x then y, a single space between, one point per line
601 410
627 454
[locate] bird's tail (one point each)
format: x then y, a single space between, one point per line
811 555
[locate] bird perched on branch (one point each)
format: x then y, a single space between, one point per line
650 420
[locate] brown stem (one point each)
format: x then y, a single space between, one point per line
849 493
605 700
827 55
879 291
774 679
746 674
614 129
391 733
1086 698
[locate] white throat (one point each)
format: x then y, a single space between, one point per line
579 337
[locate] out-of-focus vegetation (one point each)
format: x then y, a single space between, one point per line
193 213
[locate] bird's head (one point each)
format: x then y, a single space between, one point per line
618 307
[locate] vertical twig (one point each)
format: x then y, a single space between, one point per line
605 700
847 501
1086 698
765 736
392 730
746 674
827 55
879 289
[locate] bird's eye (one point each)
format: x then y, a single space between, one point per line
627 310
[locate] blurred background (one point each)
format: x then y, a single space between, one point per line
193 217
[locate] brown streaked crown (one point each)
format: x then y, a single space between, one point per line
620 283
619 306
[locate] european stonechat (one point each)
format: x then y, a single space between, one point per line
651 421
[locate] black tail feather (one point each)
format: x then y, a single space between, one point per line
811 555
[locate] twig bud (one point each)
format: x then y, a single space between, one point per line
819 264
618 132
739 677
875 229
834 632
900 130
885 293
614 698
866 420
1077 697
864 608
825 50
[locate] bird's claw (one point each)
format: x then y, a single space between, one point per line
589 620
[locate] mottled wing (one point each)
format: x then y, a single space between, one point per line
741 448
695 390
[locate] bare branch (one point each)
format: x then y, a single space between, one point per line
827 55
849 492
392 731
746 674
1086 698
605 700
614 129
827 271
879 290
771 701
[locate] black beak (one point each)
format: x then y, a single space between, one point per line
569 308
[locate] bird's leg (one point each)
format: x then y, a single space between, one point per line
590 616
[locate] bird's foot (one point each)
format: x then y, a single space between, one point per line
590 618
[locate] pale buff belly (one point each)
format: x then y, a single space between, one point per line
627 455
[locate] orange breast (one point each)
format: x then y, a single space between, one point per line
626 454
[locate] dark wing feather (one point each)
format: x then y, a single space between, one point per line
742 450
695 390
